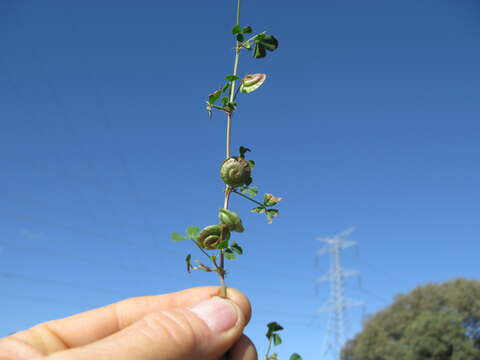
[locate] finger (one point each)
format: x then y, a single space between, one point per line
202 332
97 324
244 349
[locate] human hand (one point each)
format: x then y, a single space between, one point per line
193 324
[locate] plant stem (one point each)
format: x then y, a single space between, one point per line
223 288
249 198
268 350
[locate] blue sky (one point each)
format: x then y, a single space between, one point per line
368 118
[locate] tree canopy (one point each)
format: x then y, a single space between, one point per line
432 322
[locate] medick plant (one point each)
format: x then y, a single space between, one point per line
214 241
236 172
275 339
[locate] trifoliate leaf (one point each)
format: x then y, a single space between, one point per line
177 237
252 82
272 328
192 231
263 43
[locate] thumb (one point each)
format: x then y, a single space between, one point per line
204 332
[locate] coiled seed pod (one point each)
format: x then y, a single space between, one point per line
211 236
236 171
231 219
252 82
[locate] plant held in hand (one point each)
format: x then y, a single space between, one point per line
235 170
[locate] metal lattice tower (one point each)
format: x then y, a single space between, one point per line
337 302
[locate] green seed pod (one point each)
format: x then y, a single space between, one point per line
252 82
231 219
235 172
211 236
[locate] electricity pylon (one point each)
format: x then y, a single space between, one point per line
337 302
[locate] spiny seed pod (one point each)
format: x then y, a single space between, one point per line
211 236
236 171
231 219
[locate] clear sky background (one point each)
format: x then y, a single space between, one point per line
368 118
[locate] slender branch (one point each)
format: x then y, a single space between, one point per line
223 288
249 198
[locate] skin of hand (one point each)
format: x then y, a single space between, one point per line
194 324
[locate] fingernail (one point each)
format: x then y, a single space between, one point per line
217 313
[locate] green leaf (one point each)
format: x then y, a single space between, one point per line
232 77
242 151
240 37
213 258
259 51
271 200
237 29
274 326
269 42
223 244
253 191
258 210
247 30
263 43
277 340
192 231
295 356
271 213
225 100
251 163
229 254
225 87
177 237
236 248
214 96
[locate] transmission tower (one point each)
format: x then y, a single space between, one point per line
337 303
